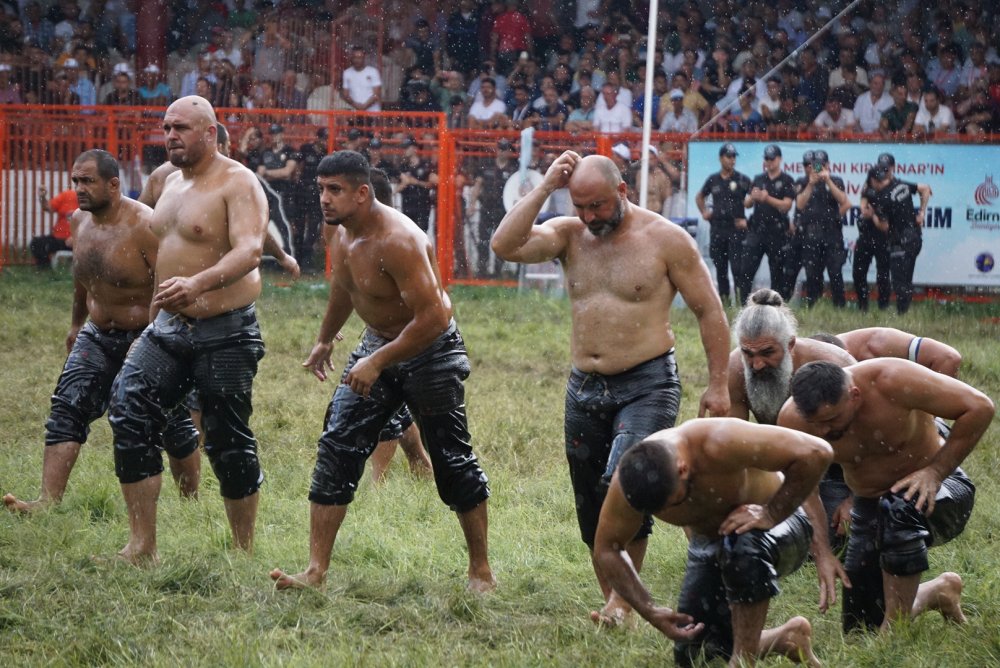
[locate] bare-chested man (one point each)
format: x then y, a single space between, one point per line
623 265
154 187
909 490
384 270
113 260
736 488
400 429
211 221
871 342
760 382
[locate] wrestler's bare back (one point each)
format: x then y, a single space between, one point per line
620 292
191 220
114 262
358 262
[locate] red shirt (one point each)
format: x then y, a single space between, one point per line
64 204
512 29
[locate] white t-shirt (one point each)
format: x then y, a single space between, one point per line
868 113
616 119
361 85
944 120
846 120
484 112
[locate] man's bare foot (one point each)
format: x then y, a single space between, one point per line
944 594
138 558
481 584
303 580
793 639
16 505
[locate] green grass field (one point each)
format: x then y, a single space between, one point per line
395 592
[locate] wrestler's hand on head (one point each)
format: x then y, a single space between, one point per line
362 376
714 402
319 360
923 485
559 171
674 625
176 293
746 517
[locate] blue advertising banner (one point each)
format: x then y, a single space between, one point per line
961 238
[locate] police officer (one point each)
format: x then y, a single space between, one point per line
729 190
822 203
307 214
771 196
872 243
904 227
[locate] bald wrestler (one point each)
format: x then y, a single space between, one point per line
211 220
623 265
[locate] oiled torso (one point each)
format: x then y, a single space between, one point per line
112 261
191 220
359 266
713 497
620 296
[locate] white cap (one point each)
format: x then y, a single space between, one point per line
4 67
622 151
152 69
122 68
676 94
653 150
70 62
824 12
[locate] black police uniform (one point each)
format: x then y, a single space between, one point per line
905 236
726 241
768 233
308 215
872 243
822 238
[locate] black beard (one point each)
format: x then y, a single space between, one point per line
602 228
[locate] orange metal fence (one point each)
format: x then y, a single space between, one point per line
38 145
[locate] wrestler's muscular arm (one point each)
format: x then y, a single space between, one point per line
338 310
517 238
246 214
739 404
687 271
618 524
406 261
79 313
917 388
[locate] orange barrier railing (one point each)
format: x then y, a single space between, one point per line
39 143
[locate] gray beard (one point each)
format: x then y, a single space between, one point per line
768 390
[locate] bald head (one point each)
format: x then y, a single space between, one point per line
191 131
595 171
196 108
598 194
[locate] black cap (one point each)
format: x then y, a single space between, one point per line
322 133
408 140
728 150
886 160
880 172
422 23
772 151
275 129
819 155
353 133
375 143
808 158
504 145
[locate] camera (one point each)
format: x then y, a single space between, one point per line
817 166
